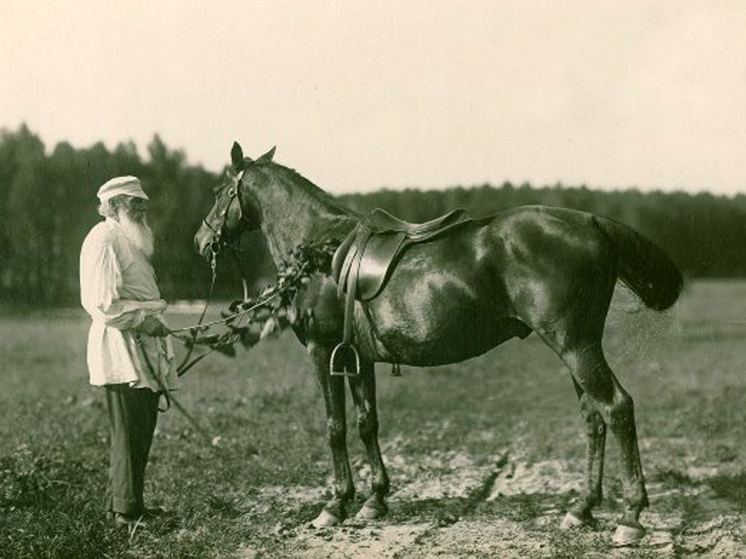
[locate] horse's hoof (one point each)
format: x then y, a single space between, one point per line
371 512
325 519
627 535
571 521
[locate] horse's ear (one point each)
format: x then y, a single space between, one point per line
237 155
267 157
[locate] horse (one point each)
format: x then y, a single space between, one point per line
531 269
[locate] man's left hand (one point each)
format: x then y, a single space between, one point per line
151 326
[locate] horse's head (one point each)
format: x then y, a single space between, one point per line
235 210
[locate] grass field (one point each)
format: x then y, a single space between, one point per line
484 455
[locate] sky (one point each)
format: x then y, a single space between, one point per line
362 95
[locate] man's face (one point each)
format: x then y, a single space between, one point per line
132 217
136 209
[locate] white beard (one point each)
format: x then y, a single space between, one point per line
139 234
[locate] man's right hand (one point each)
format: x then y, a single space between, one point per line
151 326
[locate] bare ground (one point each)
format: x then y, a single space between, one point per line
445 505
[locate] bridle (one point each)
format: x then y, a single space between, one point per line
218 242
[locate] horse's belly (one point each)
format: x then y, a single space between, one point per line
458 341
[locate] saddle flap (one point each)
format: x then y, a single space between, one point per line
376 262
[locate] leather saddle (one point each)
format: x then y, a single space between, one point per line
363 263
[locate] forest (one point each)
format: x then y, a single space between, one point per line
48 204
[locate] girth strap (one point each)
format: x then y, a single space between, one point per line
352 266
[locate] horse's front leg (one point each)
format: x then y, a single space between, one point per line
333 391
363 390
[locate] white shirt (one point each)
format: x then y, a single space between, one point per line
118 289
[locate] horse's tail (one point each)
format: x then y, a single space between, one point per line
643 266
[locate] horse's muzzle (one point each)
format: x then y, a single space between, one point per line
204 241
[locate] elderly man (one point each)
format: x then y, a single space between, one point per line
128 352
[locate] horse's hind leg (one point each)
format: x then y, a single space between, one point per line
333 391
611 401
580 513
363 390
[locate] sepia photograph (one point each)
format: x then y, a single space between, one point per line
340 279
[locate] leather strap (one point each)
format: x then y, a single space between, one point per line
351 268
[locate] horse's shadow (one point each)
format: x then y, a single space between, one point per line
731 488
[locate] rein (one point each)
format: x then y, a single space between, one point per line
272 295
170 398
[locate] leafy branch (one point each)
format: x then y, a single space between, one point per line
250 320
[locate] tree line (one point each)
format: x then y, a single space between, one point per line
48 204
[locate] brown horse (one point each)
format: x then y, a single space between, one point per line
530 269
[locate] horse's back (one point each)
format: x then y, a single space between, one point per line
526 237
547 233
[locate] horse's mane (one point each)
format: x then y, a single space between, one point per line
310 188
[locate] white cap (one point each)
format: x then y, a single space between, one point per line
121 185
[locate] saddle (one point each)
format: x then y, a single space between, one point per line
364 261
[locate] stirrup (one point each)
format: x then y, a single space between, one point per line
343 372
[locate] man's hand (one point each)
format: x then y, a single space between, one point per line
151 326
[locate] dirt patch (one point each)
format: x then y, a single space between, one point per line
358 541
438 475
546 477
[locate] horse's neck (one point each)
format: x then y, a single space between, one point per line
292 215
